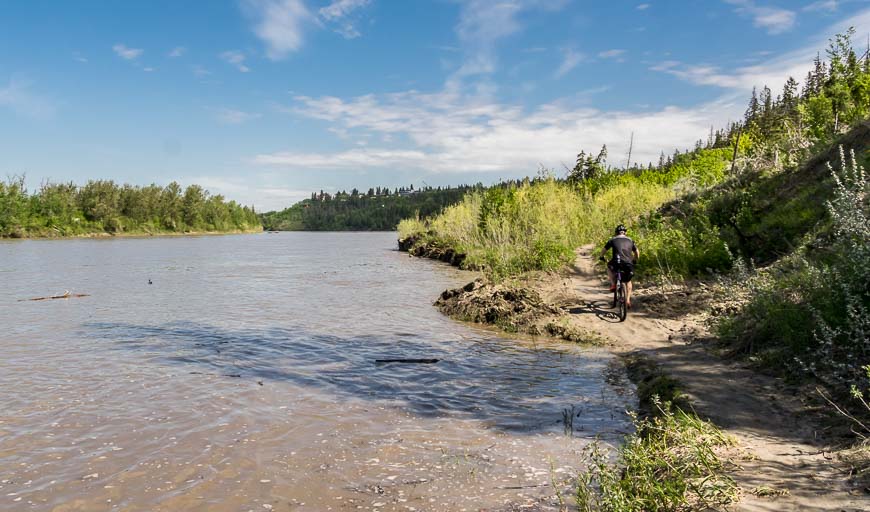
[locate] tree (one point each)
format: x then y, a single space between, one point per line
752 109
588 167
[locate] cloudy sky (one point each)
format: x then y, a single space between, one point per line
265 101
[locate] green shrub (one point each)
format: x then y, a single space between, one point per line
670 464
813 315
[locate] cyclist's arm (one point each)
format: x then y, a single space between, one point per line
607 246
636 253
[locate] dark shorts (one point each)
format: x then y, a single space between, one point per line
625 268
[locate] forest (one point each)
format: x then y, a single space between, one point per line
105 207
378 209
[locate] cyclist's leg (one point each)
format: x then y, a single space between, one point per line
611 275
629 272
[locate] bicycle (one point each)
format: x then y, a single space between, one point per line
619 292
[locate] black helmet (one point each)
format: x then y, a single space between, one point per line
619 229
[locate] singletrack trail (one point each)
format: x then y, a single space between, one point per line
777 436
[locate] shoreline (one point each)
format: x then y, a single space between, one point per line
786 458
144 234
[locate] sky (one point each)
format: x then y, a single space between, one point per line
266 101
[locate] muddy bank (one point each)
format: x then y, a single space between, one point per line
514 307
418 246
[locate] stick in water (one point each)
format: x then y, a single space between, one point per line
418 361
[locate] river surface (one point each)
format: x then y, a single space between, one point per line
244 378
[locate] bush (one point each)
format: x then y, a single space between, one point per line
670 464
843 331
684 248
813 316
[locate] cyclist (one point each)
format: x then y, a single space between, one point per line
628 253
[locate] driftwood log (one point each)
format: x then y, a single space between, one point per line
64 295
417 361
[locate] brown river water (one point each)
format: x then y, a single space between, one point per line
244 378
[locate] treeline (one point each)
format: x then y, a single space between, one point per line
378 209
66 209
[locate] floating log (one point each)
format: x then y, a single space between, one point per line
64 295
417 361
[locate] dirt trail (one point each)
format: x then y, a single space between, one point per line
772 427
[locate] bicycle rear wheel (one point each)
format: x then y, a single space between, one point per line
622 310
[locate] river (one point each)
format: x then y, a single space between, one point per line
234 373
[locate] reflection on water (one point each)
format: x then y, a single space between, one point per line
244 378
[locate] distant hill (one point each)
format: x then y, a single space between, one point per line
378 209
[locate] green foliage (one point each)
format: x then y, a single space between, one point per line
670 464
536 224
684 248
815 311
64 209
378 210
588 167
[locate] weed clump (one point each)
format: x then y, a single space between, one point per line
672 463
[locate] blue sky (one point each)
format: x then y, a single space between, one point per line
264 101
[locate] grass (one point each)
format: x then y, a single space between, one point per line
672 463
537 225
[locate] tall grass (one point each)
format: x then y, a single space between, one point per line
537 225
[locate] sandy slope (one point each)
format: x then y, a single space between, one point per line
775 430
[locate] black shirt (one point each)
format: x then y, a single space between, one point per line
623 246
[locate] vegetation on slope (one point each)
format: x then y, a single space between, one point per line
536 224
65 209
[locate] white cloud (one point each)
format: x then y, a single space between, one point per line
19 97
341 8
773 19
199 70
822 5
178 51
340 13
612 54
232 116
449 132
483 23
127 53
351 159
773 72
570 60
265 198
455 131
148 69
279 24
78 57
236 58
642 7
